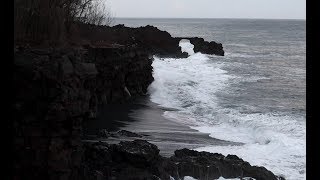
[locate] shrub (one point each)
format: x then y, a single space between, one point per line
41 21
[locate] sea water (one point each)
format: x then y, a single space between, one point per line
255 94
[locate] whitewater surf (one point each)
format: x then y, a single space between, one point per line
196 85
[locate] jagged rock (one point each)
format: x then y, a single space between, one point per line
200 45
150 38
86 69
104 133
56 91
136 160
128 133
66 66
140 160
203 165
138 152
41 51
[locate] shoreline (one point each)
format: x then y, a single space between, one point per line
146 118
143 144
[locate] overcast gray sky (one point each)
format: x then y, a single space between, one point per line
265 9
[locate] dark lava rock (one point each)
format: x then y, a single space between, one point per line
207 47
103 133
128 134
140 160
200 45
56 91
205 165
138 152
136 160
150 38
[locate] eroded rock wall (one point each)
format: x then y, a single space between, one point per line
55 91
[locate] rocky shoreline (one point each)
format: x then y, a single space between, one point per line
153 40
139 159
57 90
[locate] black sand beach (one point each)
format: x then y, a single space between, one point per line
145 117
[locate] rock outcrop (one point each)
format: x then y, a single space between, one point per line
200 45
56 91
140 160
103 133
150 38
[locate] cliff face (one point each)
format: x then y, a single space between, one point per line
56 90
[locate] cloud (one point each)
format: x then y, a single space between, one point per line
283 9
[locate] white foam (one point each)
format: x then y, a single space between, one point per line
220 178
244 178
186 46
184 82
275 141
188 178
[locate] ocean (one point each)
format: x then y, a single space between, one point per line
254 95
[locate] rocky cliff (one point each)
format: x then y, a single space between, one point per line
55 91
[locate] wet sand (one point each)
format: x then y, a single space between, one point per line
145 117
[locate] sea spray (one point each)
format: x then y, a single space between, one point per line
192 85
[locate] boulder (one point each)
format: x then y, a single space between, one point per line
140 160
139 152
86 69
66 66
205 165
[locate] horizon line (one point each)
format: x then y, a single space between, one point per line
206 18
